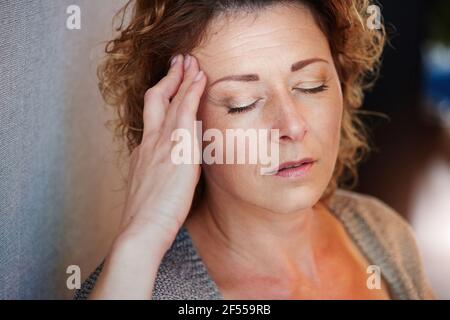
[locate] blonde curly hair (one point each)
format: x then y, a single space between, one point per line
157 30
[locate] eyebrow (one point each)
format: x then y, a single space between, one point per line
254 77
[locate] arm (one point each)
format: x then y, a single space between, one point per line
129 271
159 192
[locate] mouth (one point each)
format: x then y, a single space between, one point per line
295 168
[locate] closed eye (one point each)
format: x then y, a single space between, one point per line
313 90
234 109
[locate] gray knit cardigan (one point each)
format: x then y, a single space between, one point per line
381 234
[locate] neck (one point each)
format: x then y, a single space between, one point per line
239 233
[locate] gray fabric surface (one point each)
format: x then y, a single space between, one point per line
381 234
52 146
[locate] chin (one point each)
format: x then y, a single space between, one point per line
294 200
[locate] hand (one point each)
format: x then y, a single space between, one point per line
159 193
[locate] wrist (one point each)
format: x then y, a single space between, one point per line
134 243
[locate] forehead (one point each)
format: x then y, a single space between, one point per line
279 34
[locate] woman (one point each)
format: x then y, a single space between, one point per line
225 231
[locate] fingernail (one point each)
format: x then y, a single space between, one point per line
198 76
174 60
187 61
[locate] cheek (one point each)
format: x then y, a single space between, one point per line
329 128
325 121
226 175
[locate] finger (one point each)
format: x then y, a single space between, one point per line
170 84
157 98
189 105
187 111
187 114
170 120
190 74
190 68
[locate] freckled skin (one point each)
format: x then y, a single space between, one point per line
260 236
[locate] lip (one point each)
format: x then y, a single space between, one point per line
293 169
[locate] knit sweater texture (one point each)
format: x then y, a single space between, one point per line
382 235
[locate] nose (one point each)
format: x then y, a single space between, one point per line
289 119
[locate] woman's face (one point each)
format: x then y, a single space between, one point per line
303 100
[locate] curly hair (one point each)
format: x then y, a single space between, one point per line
158 30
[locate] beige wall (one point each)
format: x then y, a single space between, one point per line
96 199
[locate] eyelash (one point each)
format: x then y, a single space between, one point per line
232 110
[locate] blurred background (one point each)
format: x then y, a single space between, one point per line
60 196
410 166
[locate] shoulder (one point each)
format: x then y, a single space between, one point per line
181 274
379 216
373 220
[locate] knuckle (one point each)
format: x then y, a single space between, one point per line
182 120
150 136
176 99
151 93
185 108
180 111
